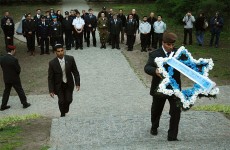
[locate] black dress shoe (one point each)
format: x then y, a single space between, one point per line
172 139
153 131
4 108
26 105
62 114
118 48
81 48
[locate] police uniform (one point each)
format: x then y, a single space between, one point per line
78 24
103 30
55 32
144 29
43 34
68 29
28 30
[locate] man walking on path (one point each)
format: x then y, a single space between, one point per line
11 71
159 100
60 78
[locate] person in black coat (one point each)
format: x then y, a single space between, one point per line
5 17
37 19
130 31
67 29
43 34
91 25
151 21
83 16
55 32
28 31
199 25
61 71
11 76
115 27
8 29
123 19
169 39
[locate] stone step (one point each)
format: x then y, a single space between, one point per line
197 131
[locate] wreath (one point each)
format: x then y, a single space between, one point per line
186 98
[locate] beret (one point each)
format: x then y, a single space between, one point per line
169 37
11 47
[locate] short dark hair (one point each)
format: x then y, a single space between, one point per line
90 9
159 16
57 46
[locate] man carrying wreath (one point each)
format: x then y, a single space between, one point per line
158 103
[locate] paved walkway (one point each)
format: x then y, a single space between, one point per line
112 109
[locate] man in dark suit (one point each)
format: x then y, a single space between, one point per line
91 25
169 39
68 29
43 34
11 71
37 19
130 31
60 79
115 27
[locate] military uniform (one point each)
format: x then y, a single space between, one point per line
55 33
103 30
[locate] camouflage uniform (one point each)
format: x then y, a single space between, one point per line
103 30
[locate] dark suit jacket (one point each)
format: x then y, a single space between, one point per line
115 28
43 30
90 21
11 69
151 66
131 27
28 26
55 74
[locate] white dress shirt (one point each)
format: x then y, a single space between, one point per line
159 27
145 27
78 23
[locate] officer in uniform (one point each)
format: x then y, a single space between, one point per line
68 29
144 29
43 34
28 31
91 24
103 30
55 32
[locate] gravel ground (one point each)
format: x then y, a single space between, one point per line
112 109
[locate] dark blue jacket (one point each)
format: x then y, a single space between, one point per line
43 30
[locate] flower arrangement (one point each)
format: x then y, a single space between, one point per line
186 98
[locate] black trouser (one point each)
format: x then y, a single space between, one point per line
68 36
144 40
130 41
65 98
156 111
9 41
38 40
18 89
187 32
151 39
88 38
158 39
30 39
85 34
44 41
72 40
115 40
79 39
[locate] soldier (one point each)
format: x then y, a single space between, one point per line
28 31
37 19
68 29
91 24
144 29
8 29
78 24
55 32
103 30
130 31
43 34
115 26
84 14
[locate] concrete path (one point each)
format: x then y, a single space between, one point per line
112 109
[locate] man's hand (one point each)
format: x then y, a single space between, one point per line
78 88
52 94
158 73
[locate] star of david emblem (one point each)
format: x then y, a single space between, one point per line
196 70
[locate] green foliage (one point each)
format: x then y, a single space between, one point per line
45 147
216 108
4 122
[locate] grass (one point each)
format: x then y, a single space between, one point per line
45 148
10 131
215 108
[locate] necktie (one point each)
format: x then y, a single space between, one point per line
168 53
63 71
